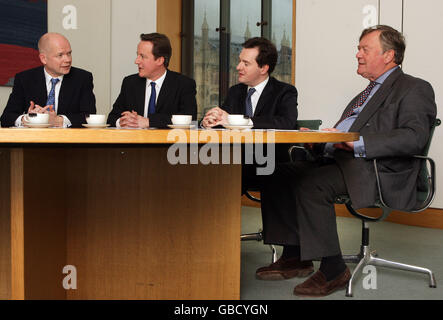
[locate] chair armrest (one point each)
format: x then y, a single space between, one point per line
430 182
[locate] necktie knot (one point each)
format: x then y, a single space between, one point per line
54 81
361 98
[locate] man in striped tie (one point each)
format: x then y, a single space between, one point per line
57 88
394 115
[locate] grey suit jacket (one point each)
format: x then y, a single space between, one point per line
395 124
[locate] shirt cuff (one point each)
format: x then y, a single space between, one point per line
66 122
359 148
18 122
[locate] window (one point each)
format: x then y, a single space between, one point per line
214 31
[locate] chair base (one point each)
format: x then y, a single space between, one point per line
258 236
366 257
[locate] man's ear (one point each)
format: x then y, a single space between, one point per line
264 69
389 56
160 61
42 58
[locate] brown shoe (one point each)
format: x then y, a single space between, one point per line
317 286
285 269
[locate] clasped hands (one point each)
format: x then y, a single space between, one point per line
130 119
54 119
214 117
348 146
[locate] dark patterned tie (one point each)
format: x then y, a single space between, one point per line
51 96
249 112
151 105
361 98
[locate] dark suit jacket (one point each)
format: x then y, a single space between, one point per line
177 96
76 97
276 108
395 124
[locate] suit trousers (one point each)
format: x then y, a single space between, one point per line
298 207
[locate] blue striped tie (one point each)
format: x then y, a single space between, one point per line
51 96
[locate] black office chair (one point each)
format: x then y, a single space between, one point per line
258 236
425 196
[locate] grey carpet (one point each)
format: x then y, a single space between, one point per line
411 245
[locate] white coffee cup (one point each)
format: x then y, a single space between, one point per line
96 119
237 120
181 119
37 118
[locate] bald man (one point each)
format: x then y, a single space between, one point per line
56 88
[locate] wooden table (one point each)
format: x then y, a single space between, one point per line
109 203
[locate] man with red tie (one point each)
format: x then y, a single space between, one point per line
394 116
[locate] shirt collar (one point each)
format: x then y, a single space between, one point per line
48 77
159 81
385 75
260 87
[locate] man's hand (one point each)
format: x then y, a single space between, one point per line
35 108
214 117
130 119
308 146
54 119
347 146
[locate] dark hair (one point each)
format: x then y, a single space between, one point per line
390 39
161 46
267 52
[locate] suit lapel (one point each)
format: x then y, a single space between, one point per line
264 97
65 93
166 90
140 95
41 95
376 101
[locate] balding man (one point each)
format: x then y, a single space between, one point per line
56 88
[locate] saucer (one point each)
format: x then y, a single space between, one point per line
95 125
181 126
232 127
36 125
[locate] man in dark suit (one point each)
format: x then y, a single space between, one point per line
151 97
57 88
269 103
393 115
274 103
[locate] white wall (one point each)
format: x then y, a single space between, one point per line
327 39
104 41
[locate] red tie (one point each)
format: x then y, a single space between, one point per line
361 98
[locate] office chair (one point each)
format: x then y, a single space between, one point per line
425 196
258 236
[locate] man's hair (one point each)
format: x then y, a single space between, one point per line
161 46
389 39
267 52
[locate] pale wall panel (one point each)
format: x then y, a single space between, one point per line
423 28
327 39
129 20
90 42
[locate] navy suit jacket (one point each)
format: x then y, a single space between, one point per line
276 108
76 98
177 96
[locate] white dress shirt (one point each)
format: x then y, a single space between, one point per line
158 86
48 77
256 95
